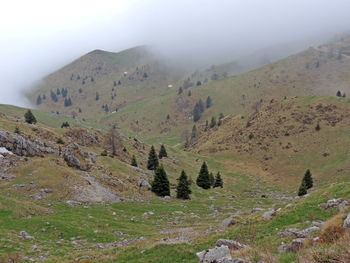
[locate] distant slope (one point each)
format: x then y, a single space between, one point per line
321 70
282 140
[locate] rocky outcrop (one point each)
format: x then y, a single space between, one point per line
77 158
217 254
228 222
298 233
293 246
83 136
339 203
19 145
231 244
270 214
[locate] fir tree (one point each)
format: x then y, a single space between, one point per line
17 130
194 132
203 179
183 190
201 106
67 102
212 179
133 161
53 96
196 113
180 91
206 125
209 102
160 184
153 162
199 83
97 97
189 94
162 152
29 117
302 189
212 122
58 92
114 83
218 181
65 125
318 127
338 93
308 179
39 100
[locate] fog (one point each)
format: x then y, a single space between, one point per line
40 36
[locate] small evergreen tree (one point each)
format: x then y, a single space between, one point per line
114 83
189 94
17 130
97 97
65 124
133 161
39 100
58 92
196 113
338 93
160 184
53 96
206 125
168 117
180 91
218 181
194 132
67 102
308 179
318 127
153 161
201 106
183 190
209 102
203 179
162 152
199 83
29 117
212 179
302 189
212 122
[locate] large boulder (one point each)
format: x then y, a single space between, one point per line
231 244
77 158
19 145
346 223
217 254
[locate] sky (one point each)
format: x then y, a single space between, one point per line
38 37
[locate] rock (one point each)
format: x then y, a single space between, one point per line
317 223
77 158
346 223
227 222
339 203
24 147
38 196
72 203
231 244
25 235
257 209
149 213
6 177
214 255
142 183
298 233
293 246
4 151
269 214
234 260
167 197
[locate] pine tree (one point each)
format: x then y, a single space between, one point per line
308 179
39 100
209 102
212 179
302 189
196 113
206 125
318 127
199 83
17 130
160 184
201 106
67 102
189 94
153 162
338 93
97 96
29 117
162 152
212 122
133 161
218 181
65 125
58 92
203 179
194 132
183 190
180 91
53 96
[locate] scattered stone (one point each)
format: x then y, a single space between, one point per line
72 203
231 244
256 209
6 177
228 222
142 183
214 255
346 223
339 203
270 214
293 246
25 235
149 213
298 233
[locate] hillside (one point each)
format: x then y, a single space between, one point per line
283 139
321 71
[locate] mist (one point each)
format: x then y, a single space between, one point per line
38 37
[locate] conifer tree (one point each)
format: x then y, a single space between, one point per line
203 179
162 152
308 179
209 102
183 190
338 93
153 162
194 132
160 184
189 94
39 100
58 92
17 130
196 113
133 161
206 125
29 117
53 96
212 179
302 189
218 181
180 91
201 106
212 122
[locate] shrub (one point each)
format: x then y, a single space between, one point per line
104 153
60 141
332 234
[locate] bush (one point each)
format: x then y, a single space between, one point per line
60 141
104 153
332 234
